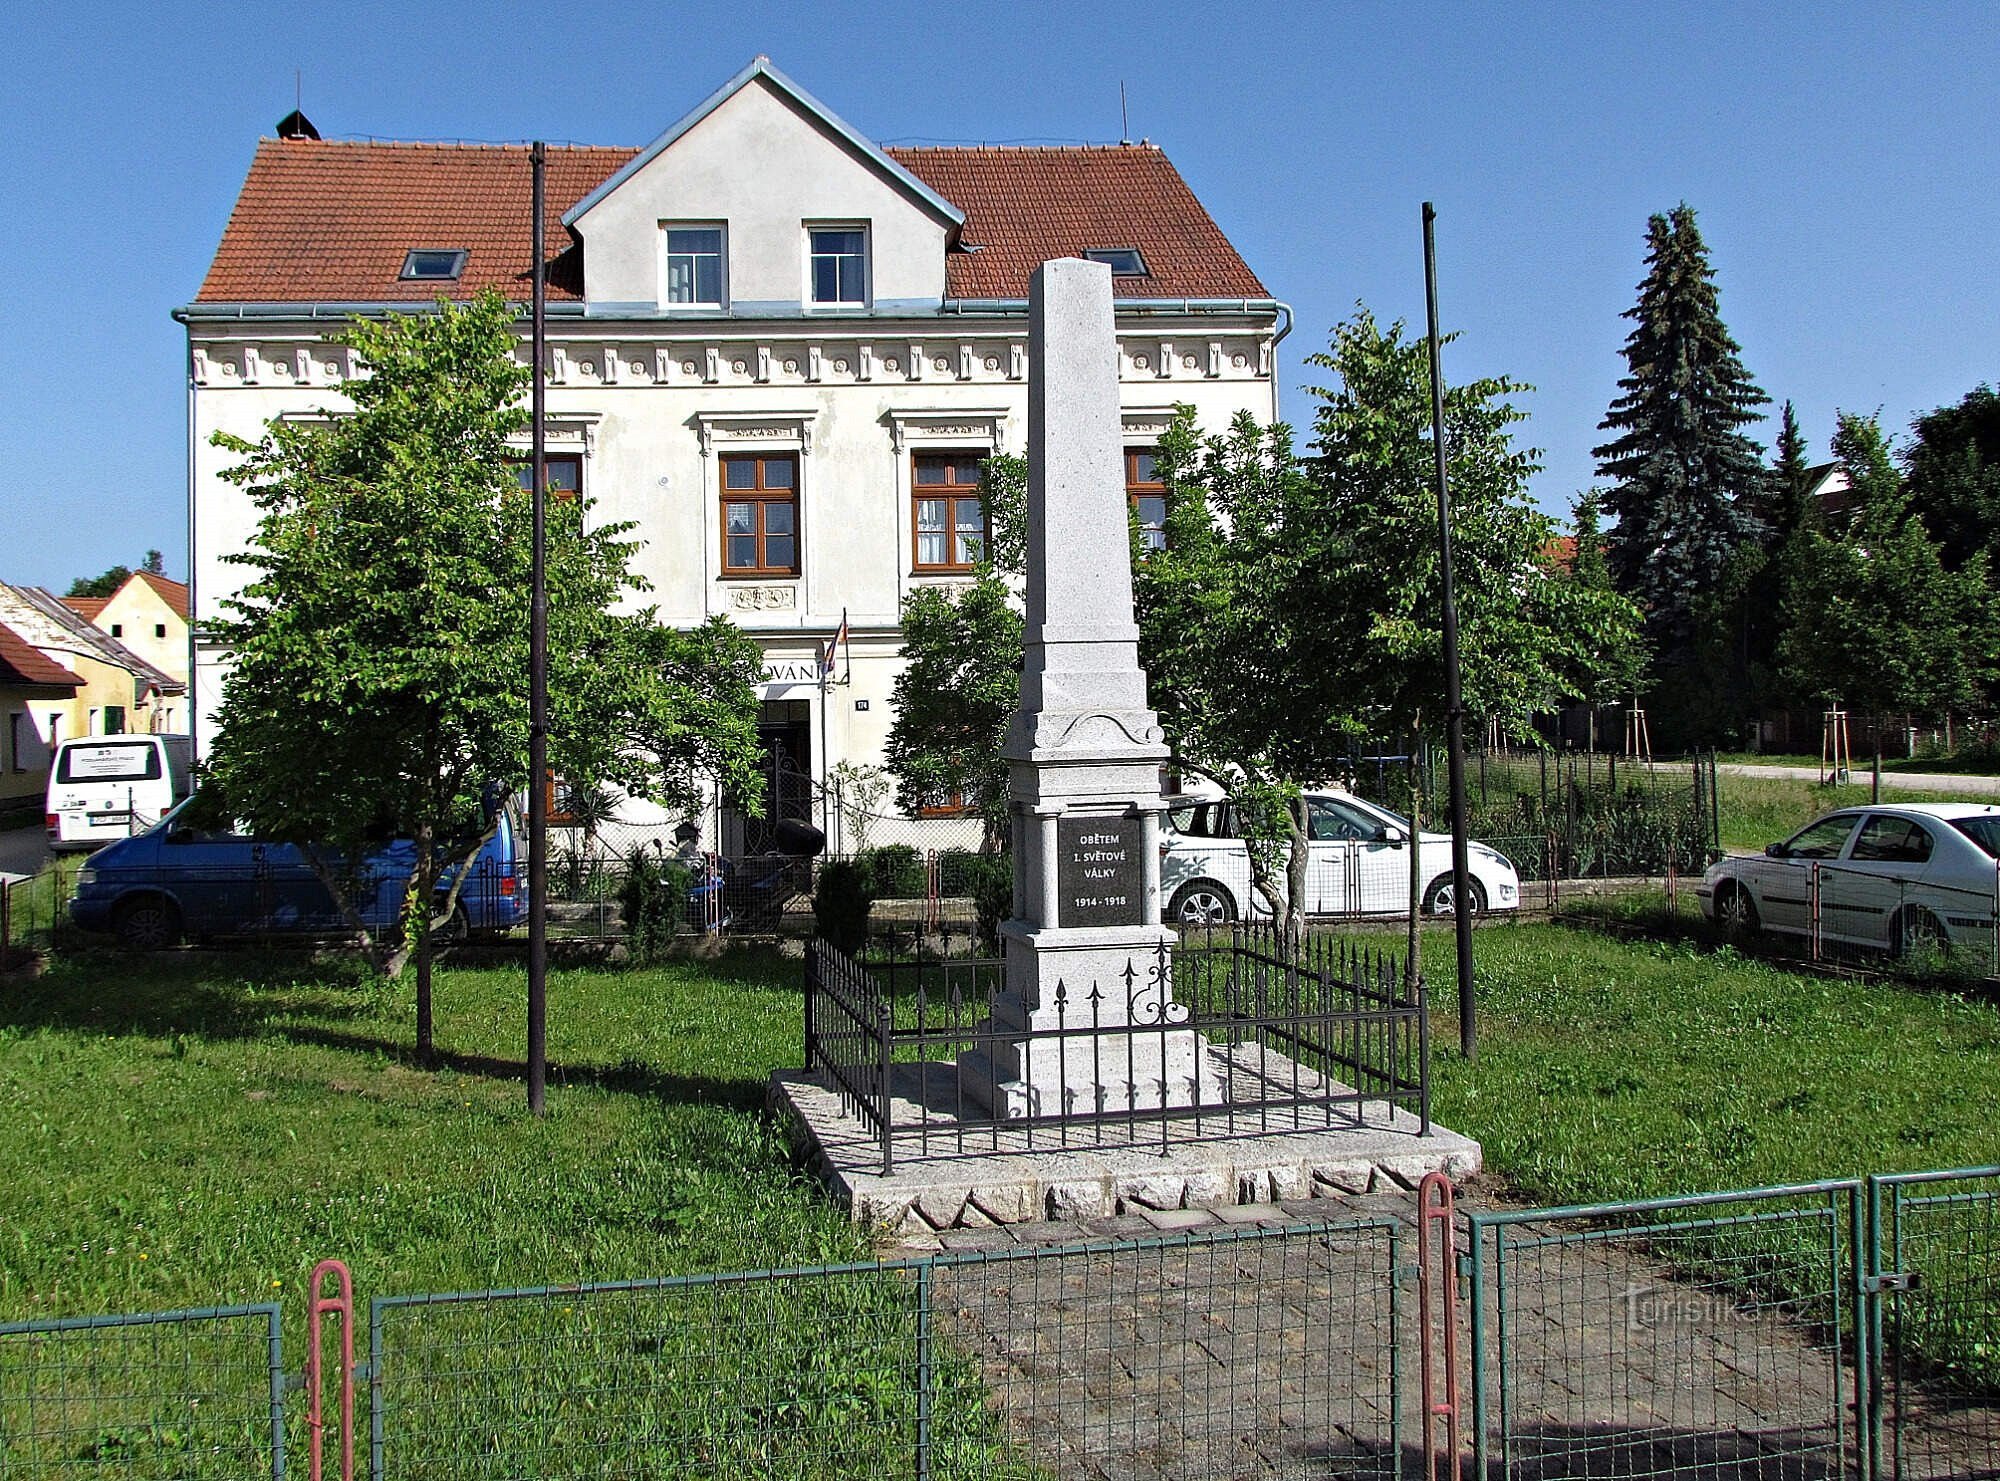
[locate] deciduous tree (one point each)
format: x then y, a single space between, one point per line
1872 615
381 644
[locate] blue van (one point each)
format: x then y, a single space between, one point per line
177 881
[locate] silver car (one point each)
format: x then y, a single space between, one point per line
1358 863
1892 878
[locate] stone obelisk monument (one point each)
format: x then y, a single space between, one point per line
1084 945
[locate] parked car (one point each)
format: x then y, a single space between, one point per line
178 880
1891 878
106 787
1359 863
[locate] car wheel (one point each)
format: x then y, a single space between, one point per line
1736 913
1919 933
1202 903
149 923
455 930
1441 898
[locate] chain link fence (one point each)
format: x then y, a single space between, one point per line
1845 1328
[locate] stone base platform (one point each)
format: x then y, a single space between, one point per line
955 1167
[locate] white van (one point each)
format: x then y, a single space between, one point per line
103 787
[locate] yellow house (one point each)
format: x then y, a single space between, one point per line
149 615
117 690
31 687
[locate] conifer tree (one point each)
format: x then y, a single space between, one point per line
1685 478
1785 509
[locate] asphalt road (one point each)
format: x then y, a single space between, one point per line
1896 781
23 850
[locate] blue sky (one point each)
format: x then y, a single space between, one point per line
1841 157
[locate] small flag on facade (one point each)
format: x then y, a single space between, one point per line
833 645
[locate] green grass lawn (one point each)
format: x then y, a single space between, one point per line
1760 810
1612 1069
201 1129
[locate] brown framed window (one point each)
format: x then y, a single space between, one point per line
565 474
947 516
951 805
1148 493
760 515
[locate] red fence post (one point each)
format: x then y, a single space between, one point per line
342 1306
1437 1303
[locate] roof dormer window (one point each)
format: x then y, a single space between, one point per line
839 266
694 276
434 264
1124 262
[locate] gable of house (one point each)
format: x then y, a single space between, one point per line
149 616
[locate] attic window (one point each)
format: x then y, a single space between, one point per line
434 264
1124 262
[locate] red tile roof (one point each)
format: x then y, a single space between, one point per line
1025 206
322 222
86 607
21 662
173 593
332 222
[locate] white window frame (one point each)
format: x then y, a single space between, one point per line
721 301
844 305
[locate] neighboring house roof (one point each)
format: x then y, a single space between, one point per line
1560 553
86 607
41 618
173 593
22 664
331 223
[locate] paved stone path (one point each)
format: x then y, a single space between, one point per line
1263 1340
1892 781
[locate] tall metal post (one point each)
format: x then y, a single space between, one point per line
538 677
1454 713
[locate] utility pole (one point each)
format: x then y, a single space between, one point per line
1454 735
538 678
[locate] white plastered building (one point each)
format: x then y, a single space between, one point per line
777 347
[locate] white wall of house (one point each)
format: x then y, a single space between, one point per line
652 433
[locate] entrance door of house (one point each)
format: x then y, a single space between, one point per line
784 737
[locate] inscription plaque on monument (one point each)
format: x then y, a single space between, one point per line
1100 876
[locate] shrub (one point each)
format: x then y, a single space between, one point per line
989 880
653 903
894 871
842 899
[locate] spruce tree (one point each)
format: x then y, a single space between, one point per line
1686 480
1785 508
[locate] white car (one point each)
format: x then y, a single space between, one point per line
1893 878
1359 863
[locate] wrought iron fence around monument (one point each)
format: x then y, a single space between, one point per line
1296 1033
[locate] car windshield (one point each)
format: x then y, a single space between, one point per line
1983 830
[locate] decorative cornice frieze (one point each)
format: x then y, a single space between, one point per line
829 357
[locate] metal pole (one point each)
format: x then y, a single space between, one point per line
538 678
1461 878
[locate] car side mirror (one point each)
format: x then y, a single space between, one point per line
1776 851
1386 834
181 835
